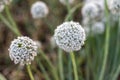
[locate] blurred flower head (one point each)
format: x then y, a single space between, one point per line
22 50
1 6
3 3
7 2
115 6
66 1
92 10
39 10
70 36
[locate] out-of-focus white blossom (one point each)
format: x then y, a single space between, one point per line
22 50
114 6
92 10
70 36
66 1
1 6
39 10
3 3
7 2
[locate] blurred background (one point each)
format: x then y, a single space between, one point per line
89 59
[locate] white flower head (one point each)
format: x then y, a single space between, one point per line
66 1
70 36
92 10
22 50
114 6
39 10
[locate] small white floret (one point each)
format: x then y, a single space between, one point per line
39 10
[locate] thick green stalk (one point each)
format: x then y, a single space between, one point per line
117 52
71 11
88 62
60 64
53 69
29 72
70 77
43 69
117 42
68 9
11 20
7 23
106 45
116 74
74 66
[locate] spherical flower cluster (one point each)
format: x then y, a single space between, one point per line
3 3
70 36
22 50
66 1
39 10
92 10
115 6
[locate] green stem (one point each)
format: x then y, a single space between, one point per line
30 72
60 64
74 65
43 69
6 22
117 44
116 74
10 18
69 68
68 17
106 45
68 8
87 67
53 69
117 52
